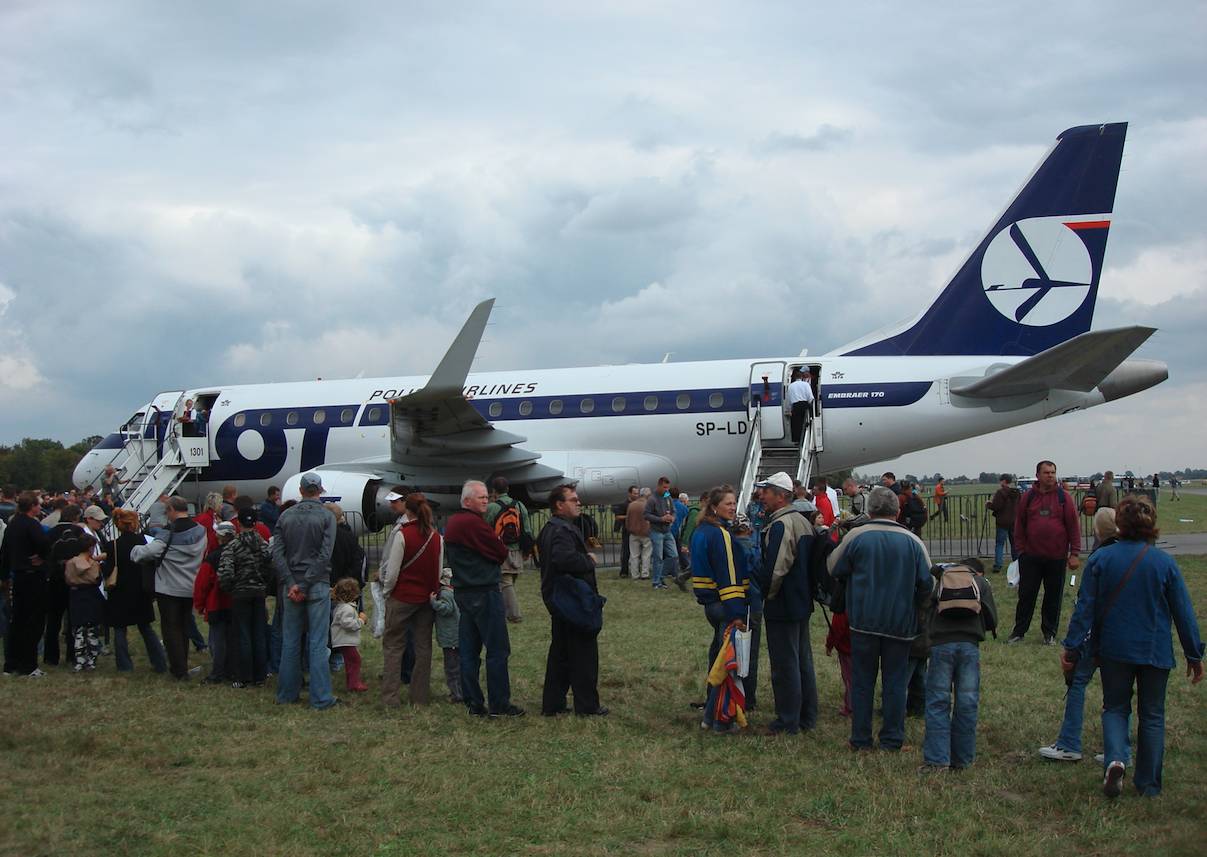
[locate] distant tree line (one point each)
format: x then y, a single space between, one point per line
42 463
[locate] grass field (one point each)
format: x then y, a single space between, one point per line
139 765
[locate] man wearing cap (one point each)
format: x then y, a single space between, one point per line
301 553
800 400
783 580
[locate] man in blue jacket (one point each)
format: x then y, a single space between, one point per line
887 573
783 581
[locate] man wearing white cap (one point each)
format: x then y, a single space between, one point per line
301 551
783 581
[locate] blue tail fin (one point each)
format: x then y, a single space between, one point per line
1032 281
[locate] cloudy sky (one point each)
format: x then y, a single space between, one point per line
221 192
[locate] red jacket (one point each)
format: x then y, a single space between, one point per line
207 595
417 581
1046 528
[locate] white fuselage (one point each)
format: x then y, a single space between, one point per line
687 421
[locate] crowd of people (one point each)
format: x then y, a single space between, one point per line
897 618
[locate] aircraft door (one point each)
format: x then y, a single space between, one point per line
767 392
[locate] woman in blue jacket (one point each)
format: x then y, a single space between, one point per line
719 580
1130 594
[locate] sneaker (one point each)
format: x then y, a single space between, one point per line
509 711
1112 783
194 670
36 674
602 711
476 711
239 685
997 569
730 728
681 582
1050 641
1013 640
1058 755
1100 758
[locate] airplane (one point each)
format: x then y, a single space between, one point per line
1007 341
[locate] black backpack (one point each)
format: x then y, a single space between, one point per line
916 515
64 548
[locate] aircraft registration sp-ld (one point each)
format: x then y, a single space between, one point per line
1006 342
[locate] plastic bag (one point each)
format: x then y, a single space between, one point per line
1012 576
741 649
379 608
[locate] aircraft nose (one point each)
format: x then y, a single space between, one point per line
87 470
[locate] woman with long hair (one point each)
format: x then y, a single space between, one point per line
128 602
411 578
1131 593
720 584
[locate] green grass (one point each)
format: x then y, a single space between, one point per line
138 765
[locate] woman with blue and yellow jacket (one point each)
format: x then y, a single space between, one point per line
719 576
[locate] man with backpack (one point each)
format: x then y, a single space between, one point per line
63 546
1048 537
510 521
962 610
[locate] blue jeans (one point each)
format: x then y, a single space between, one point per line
274 639
121 649
484 623
1117 681
316 608
1070 730
869 654
664 561
792 677
953 691
1000 538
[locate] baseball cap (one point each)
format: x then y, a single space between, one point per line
226 528
394 495
310 481
248 517
779 480
96 513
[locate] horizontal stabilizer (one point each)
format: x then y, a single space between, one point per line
1078 365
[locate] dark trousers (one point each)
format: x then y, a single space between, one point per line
871 654
56 609
624 552
573 664
1033 573
792 678
251 639
915 689
714 612
800 418
483 625
28 621
174 615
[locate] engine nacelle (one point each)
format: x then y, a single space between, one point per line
362 496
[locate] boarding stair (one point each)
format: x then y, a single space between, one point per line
765 458
156 468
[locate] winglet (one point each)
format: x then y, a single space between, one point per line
449 377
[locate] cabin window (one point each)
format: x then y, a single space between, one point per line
291 418
240 420
496 408
618 404
265 418
683 402
346 416
525 408
716 400
374 414
651 403
746 398
320 417
587 406
555 407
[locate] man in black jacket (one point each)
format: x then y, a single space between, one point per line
573 661
25 555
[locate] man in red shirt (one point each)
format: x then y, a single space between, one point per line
1048 540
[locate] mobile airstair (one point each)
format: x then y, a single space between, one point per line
159 457
764 459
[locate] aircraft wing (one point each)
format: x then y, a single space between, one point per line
436 429
1078 364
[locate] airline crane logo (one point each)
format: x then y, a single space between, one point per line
1038 271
